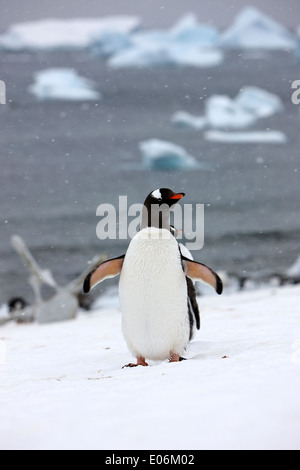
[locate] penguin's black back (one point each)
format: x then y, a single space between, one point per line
193 308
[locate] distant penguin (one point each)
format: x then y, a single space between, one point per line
153 286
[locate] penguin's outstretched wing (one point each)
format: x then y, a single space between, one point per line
200 272
105 270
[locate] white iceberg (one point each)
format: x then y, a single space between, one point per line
63 84
188 43
52 34
109 43
189 121
259 102
161 155
188 31
253 137
222 112
148 55
254 29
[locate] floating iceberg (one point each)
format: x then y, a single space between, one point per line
109 43
254 29
148 55
188 43
187 120
188 31
253 137
65 34
259 102
63 84
162 155
222 112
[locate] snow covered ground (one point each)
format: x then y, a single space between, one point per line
63 386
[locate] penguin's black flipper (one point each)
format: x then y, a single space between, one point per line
200 272
105 270
193 307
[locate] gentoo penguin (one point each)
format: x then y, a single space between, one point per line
153 289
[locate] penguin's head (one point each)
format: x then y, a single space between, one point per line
163 196
157 207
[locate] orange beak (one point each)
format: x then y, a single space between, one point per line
177 196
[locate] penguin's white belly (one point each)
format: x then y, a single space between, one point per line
153 296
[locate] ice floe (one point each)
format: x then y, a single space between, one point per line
253 29
77 33
150 54
252 137
187 43
63 84
189 121
109 43
161 155
258 101
222 112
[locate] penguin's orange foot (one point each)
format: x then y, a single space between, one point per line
176 358
140 362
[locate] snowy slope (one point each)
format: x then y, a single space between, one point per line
62 385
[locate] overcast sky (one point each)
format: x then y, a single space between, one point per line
153 12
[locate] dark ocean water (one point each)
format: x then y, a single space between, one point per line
60 160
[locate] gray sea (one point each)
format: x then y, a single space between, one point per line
61 160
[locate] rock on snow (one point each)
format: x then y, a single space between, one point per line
63 386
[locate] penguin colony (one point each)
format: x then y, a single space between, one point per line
156 287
